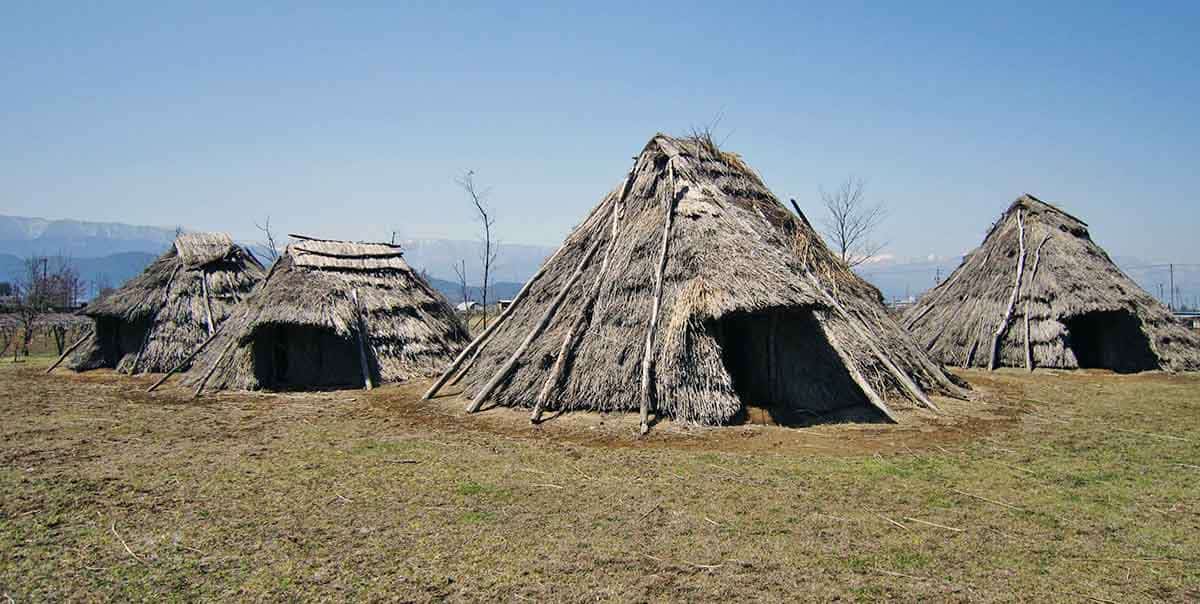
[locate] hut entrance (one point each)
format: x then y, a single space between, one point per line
120 338
294 357
1110 340
785 371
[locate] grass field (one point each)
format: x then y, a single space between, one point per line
1063 487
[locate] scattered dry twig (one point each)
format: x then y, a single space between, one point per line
113 528
993 501
1167 436
893 522
941 526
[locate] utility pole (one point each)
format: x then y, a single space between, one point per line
1172 305
937 279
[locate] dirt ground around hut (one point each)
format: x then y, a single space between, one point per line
1053 487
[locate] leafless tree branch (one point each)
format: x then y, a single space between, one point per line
487 221
269 244
851 221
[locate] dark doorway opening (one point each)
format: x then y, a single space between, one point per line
785 371
1110 340
292 357
118 339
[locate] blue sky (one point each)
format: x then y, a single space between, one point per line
352 121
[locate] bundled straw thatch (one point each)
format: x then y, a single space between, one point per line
157 319
1039 292
735 299
331 314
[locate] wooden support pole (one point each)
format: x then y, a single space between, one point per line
905 381
652 328
537 330
213 369
859 378
467 357
162 380
362 347
1037 259
207 305
71 349
1012 299
584 313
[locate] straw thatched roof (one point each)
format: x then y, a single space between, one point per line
693 259
155 320
1041 293
316 303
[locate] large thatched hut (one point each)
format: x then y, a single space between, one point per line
1040 293
333 314
691 292
156 320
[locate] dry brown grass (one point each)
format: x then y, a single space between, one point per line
1065 487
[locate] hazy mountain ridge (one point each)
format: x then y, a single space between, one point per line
23 236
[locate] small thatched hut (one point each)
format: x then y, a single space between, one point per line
157 319
333 314
1039 292
691 291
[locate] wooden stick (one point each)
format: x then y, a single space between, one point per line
647 356
362 349
207 305
71 349
213 369
992 501
537 330
182 363
1012 299
586 312
1037 259
933 524
476 346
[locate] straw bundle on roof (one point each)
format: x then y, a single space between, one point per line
1039 292
326 309
691 291
154 321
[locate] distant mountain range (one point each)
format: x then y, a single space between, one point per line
114 252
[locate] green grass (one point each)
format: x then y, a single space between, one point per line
1085 488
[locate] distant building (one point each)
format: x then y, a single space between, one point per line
1191 319
503 304
467 306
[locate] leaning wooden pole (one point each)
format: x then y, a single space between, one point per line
188 359
207 305
860 379
362 347
471 352
905 381
652 328
537 330
1012 299
213 369
589 306
1037 259
71 349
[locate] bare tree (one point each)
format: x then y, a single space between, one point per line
269 244
101 286
851 222
32 298
7 331
460 269
487 221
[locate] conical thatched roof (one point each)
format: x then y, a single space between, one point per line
1042 293
693 259
154 321
316 303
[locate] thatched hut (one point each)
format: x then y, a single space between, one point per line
158 319
333 314
1040 293
690 291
